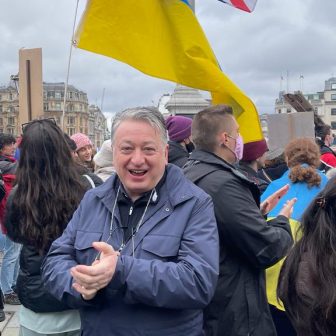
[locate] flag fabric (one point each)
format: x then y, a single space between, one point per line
163 38
245 5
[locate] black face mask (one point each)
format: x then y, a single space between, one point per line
190 147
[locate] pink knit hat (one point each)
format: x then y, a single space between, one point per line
81 140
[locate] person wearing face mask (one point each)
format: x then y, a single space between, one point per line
180 145
248 244
325 139
253 159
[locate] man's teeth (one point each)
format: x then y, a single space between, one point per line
138 171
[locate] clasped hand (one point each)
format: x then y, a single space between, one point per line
88 280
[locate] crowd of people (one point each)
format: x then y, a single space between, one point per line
174 227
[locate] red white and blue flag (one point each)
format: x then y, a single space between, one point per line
245 5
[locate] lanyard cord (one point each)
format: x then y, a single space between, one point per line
112 228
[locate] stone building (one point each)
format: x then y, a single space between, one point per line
9 110
323 102
79 117
186 101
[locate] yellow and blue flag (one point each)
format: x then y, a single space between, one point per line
163 38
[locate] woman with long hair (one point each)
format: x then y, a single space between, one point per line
47 192
305 182
307 283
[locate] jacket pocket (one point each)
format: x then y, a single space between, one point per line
163 246
85 253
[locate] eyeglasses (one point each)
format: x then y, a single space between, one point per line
25 125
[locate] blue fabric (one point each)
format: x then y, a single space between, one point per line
163 287
299 190
10 265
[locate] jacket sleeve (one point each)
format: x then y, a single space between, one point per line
245 230
188 283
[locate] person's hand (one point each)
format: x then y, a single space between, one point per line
272 200
88 280
287 209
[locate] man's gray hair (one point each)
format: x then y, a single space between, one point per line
150 115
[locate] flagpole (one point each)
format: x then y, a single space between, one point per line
68 69
192 4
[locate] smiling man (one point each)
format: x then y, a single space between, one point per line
140 255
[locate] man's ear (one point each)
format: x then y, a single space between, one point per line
166 153
223 138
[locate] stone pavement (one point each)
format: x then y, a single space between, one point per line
10 327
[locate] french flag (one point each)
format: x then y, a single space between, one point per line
245 5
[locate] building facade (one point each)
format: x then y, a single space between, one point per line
9 110
79 116
323 102
186 101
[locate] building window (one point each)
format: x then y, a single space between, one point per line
289 110
71 120
0 108
70 94
58 106
333 125
45 107
51 94
333 97
70 108
10 130
0 97
333 111
1 121
10 121
10 96
333 86
58 95
71 131
45 94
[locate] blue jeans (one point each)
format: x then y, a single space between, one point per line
10 265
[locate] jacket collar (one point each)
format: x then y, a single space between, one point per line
211 158
174 191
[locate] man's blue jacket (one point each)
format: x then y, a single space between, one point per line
162 288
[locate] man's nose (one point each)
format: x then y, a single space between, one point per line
138 157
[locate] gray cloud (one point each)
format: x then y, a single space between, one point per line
254 50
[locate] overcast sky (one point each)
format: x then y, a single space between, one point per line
254 50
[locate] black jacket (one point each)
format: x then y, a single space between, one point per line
252 175
248 245
273 173
177 155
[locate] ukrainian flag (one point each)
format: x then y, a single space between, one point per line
163 38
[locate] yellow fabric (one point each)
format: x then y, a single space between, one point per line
163 38
272 273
